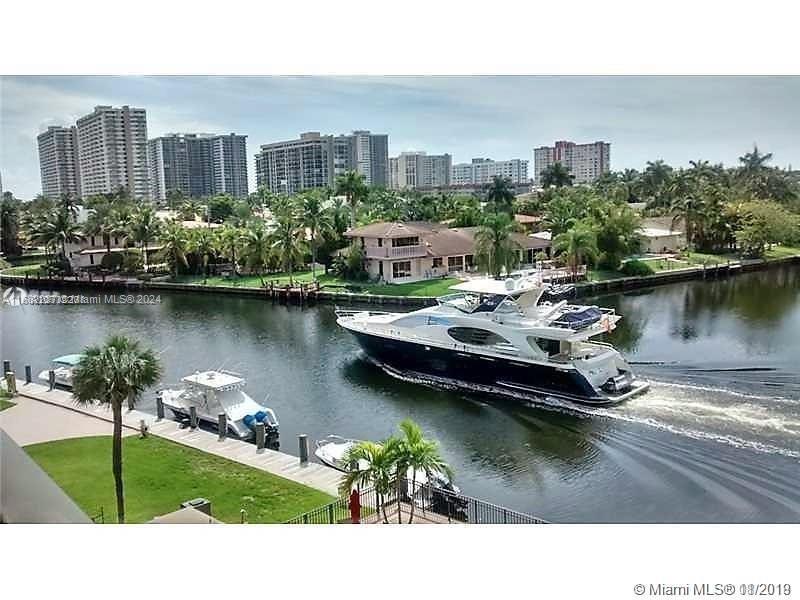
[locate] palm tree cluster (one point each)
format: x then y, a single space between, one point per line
385 466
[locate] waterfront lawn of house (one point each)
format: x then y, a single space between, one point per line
781 252
31 269
160 474
428 287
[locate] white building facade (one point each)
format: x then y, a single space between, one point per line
482 170
586 162
413 170
112 151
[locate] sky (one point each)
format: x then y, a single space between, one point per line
676 119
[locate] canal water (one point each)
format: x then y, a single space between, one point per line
717 439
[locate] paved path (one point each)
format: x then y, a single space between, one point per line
79 421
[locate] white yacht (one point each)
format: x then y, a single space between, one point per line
502 336
63 366
214 392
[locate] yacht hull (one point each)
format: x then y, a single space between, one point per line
508 376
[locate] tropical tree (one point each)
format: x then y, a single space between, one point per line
654 184
418 455
288 237
9 231
256 248
466 211
556 175
228 239
191 208
375 467
578 245
495 248
500 194
55 229
351 184
145 227
114 373
201 243
175 240
318 221
563 211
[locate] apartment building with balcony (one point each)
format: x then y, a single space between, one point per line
481 171
112 151
419 170
198 165
419 250
58 162
586 162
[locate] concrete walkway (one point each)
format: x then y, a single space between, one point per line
73 420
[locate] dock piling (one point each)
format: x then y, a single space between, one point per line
303 439
159 408
27 373
260 437
222 425
51 378
6 366
193 417
11 383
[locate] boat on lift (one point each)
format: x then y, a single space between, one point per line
214 392
63 368
504 337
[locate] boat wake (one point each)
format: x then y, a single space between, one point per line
765 424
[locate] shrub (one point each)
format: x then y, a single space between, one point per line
111 262
637 268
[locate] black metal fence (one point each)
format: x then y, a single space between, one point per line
430 503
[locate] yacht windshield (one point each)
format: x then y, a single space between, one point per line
478 303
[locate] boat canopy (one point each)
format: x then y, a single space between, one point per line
219 381
70 360
504 287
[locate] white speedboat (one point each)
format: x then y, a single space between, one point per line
63 366
215 392
333 449
502 336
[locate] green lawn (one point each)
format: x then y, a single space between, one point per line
4 404
159 475
430 287
603 275
23 269
781 252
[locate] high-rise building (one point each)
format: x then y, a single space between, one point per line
315 160
412 170
296 165
198 165
58 162
586 162
112 151
481 171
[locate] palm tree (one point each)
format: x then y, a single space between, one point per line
145 226
556 175
420 456
228 239
351 184
654 183
116 372
495 248
202 244
578 244
175 241
375 466
54 229
318 221
190 208
500 194
755 161
288 238
256 248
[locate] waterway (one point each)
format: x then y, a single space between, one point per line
716 439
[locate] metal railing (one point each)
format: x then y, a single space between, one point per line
431 503
395 252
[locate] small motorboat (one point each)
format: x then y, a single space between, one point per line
214 392
333 450
63 366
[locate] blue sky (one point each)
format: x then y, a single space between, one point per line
645 118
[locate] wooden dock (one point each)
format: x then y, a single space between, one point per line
284 465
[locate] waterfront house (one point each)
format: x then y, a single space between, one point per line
417 250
